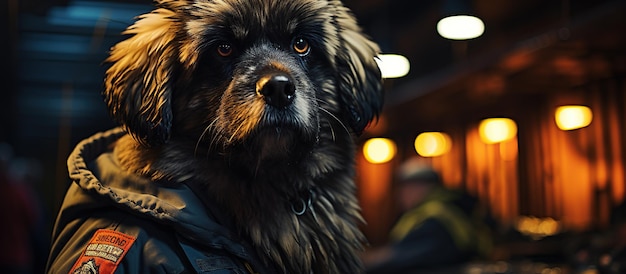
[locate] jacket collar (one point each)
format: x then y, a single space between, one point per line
95 170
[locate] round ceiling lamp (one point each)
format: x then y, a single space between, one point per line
393 65
460 27
496 130
432 144
379 150
572 117
458 22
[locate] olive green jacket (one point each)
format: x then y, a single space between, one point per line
144 226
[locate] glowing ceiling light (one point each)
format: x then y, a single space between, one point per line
573 117
460 27
393 65
432 144
495 130
379 150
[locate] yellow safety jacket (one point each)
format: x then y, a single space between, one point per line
467 230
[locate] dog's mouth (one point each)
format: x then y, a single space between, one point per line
278 141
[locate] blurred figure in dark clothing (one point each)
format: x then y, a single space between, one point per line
438 227
612 259
22 221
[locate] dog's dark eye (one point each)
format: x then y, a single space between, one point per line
301 46
224 50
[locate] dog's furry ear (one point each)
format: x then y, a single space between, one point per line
360 82
138 85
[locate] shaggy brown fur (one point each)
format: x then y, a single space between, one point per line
188 87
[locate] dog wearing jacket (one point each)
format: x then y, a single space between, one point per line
251 105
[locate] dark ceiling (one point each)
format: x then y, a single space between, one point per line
55 48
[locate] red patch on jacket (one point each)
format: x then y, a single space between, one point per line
103 252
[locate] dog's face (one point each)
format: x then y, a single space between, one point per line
257 83
260 74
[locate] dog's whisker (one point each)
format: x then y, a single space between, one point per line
330 125
214 141
235 133
215 137
332 131
204 132
335 118
195 150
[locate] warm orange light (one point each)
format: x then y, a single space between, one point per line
538 227
495 130
379 150
573 117
432 144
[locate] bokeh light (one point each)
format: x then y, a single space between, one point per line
573 117
460 27
393 65
496 130
432 144
379 150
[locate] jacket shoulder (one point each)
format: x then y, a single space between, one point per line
130 244
121 244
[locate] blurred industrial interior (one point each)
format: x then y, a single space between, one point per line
533 57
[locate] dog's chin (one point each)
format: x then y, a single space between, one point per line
278 143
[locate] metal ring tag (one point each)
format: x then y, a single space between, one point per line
299 212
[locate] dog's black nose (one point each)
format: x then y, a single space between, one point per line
277 89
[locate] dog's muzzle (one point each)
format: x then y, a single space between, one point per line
277 89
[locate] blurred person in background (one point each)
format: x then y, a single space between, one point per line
439 227
22 241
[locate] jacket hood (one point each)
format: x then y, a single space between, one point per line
97 176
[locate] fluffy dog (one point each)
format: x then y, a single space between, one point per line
260 100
